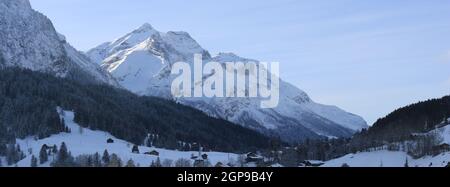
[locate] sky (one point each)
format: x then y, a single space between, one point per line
367 57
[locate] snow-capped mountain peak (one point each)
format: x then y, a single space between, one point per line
177 46
145 26
137 36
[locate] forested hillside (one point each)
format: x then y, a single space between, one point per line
29 100
400 124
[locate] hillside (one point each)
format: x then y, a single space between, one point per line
82 141
28 100
400 124
428 149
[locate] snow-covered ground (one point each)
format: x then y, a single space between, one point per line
388 159
85 141
395 158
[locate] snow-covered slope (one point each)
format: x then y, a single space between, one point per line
387 158
29 40
82 141
141 62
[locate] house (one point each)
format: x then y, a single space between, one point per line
110 140
441 149
313 163
219 165
194 157
200 163
153 153
135 149
276 165
445 147
253 157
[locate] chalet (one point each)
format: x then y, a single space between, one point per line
276 165
194 157
200 163
445 147
441 149
135 149
312 163
219 165
253 157
110 140
152 153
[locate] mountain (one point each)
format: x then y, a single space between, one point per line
29 40
141 61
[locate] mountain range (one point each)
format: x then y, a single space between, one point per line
117 97
141 62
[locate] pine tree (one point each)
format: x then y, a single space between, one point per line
96 160
43 157
406 163
167 163
20 154
64 158
63 153
182 162
55 149
130 164
105 158
115 161
9 155
33 161
89 161
158 163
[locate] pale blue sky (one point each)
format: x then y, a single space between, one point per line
367 57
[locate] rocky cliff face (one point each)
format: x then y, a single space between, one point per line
29 40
